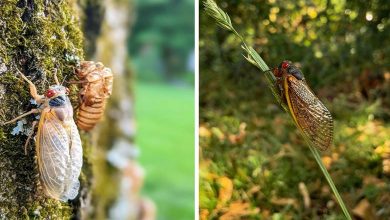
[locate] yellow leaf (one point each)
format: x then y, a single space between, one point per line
204 214
237 210
218 133
204 132
364 210
327 161
225 190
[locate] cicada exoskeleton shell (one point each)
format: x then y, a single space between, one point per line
308 112
96 81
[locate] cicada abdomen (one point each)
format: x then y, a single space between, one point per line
96 83
309 113
58 144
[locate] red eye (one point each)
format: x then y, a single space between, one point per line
50 93
285 65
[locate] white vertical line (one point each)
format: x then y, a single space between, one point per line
197 109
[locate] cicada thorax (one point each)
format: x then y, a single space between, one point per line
308 112
96 84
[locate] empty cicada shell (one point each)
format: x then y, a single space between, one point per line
58 144
96 81
308 112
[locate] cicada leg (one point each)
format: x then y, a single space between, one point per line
279 83
34 124
78 82
33 90
32 111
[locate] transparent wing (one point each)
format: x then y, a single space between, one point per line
76 162
311 115
53 156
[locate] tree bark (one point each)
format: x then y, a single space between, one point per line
111 49
36 37
119 177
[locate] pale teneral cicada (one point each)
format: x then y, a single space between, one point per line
58 144
308 112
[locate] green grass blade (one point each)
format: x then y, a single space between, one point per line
317 157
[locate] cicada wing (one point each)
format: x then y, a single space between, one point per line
76 162
311 115
53 156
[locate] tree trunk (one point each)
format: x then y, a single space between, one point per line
118 176
36 37
111 49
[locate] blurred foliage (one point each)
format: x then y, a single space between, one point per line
163 38
253 162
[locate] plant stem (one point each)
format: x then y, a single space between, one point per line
317 156
254 58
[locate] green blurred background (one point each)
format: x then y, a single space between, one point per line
254 163
161 49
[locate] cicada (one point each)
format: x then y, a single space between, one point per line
96 81
58 144
309 113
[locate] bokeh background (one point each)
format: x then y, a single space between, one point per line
161 51
253 161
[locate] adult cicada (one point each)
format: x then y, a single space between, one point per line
308 112
58 143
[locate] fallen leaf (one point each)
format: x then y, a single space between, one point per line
364 210
253 190
285 201
225 190
372 180
204 214
204 132
218 133
238 138
305 194
237 210
327 161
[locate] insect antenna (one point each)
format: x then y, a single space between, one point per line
62 83
55 77
23 76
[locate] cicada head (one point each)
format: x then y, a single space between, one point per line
287 68
85 68
281 69
57 95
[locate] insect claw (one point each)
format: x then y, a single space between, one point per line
34 124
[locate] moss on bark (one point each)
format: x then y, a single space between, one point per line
36 37
93 14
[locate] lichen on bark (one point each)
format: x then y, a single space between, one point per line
36 38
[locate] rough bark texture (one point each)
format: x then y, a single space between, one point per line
36 37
